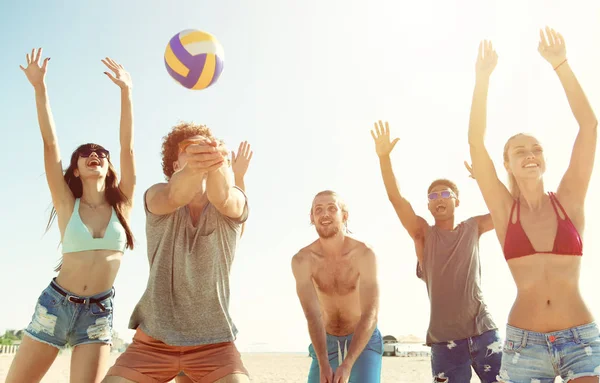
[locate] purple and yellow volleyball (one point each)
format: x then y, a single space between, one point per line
194 59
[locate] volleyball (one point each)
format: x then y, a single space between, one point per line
194 59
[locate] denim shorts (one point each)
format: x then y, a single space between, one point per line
454 361
63 318
540 357
366 369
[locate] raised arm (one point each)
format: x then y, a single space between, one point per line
312 311
495 194
198 160
222 193
414 224
484 222
369 305
240 167
123 80
62 198
574 184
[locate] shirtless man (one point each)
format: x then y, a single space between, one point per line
336 282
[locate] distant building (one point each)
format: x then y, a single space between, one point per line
405 346
390 345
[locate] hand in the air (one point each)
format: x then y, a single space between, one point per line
552 47
203 155
487 58
35 74
381 136
241 161
121 77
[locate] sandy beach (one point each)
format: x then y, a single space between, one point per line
270 368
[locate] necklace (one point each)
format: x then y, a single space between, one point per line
93 207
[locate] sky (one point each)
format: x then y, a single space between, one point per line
303 83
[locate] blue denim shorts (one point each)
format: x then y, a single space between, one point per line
540 357
63 318
454 361
366 369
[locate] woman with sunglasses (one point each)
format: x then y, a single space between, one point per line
550 332
92 207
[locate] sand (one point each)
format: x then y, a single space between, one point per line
270 368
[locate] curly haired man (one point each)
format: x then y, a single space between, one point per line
193 224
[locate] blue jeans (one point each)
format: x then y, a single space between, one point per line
530 356
63 318
452 361
366 369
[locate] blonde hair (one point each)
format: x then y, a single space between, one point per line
513 187
341 203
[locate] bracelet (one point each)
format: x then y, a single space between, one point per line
564 61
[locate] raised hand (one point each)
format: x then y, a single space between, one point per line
469 169
242 160
35 74
552 47
487 58
203 156
381 136
121 77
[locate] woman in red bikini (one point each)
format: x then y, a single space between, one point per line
550 330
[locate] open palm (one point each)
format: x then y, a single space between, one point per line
552 47
121 77
241 161
381 136
487 58
35 74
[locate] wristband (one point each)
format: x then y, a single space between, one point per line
564 61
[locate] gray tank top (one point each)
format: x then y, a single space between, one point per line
186 301
452 272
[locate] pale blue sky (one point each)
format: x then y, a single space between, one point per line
303 83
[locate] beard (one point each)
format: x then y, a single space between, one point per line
328 231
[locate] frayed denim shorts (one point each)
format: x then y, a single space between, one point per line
540 357
62 318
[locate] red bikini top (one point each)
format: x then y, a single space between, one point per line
567 240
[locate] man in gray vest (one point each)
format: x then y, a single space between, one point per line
461 333
193 224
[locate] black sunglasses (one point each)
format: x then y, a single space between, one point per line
86 152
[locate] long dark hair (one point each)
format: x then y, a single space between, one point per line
114 195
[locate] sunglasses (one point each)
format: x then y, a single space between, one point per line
443 194
86 152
